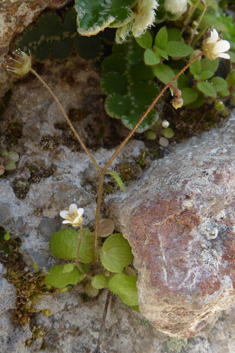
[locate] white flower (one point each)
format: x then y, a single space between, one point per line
214 47
144 16
176 7
73 216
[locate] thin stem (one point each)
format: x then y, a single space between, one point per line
191 11
67 118
97 215
146 113
198 22
97 349
78 250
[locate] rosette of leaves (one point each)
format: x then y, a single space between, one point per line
8 161
127 15
129 86
51 35
64 244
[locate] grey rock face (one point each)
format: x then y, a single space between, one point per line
179 219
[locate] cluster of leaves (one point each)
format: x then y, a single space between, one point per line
8 161
129 86
115 255
128 16
52 36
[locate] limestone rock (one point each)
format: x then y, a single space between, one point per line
179 219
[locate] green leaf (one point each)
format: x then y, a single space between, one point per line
64 244
141 72
118 179
209 65
195 67
88 48
94 16
116 105
206 88
219 84
178 49
113 82
115 253
68 268
42 50
168 132
161 52
174 34
206 74
145 41
61 49
189 95
49 25
58 279
125 287
161 38
10 165
115 62
164 73
99 281
197 103
211 21
150 58
231 79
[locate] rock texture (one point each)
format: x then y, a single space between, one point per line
15 15
179 219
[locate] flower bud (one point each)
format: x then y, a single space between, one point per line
177 102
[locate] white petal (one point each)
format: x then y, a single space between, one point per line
73 208
221 47
77 220
65 222
80 212
64 214
224 55
213 37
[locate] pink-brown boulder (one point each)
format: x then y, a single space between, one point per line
179 220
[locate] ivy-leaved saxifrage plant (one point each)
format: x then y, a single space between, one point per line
76 247
69 244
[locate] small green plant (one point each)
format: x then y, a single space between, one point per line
77 247
8 161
